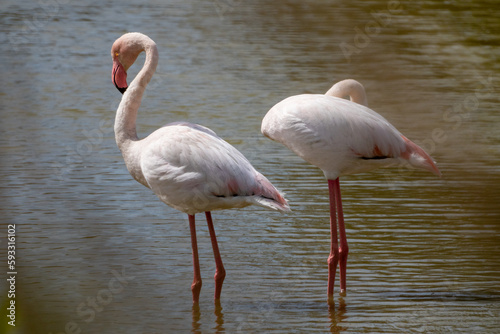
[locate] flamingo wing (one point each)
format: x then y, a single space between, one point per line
193 170
332 133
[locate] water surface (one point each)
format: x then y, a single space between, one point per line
424 252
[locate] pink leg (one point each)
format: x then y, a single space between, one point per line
333 259
196 286
343 249
220 272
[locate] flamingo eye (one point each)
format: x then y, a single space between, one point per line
117 54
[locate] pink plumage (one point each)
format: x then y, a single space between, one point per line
186 165
341 137
193 170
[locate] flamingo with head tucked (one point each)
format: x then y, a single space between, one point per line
341 137
186 165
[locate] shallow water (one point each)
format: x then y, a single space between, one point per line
98 253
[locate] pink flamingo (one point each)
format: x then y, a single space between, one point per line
341 137
186 165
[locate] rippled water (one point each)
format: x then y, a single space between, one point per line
98 253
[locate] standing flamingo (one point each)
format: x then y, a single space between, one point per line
186 165
341 137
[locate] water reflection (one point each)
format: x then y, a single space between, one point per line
196 318
338 316
219 318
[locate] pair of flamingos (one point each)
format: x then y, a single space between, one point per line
193 170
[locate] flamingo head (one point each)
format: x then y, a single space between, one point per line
124 53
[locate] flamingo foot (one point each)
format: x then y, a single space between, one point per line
219 279
333 260
196 289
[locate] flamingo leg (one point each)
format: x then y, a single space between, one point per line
344 248
333 258
196 286
220 272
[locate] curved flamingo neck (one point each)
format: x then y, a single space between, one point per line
126 115
351 88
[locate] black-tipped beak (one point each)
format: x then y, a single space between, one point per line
119 76
122 90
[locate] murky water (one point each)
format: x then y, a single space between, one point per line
98 253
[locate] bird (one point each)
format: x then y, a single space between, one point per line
342 137
186 165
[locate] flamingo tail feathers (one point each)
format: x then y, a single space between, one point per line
417 157
268 196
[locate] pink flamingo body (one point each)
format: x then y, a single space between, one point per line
341 137
186 165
